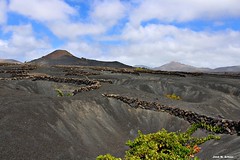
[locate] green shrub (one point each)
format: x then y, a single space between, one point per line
208 127
107 157
173 96
61 94
163 145
69 94
140 69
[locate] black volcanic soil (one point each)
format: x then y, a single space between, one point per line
37 124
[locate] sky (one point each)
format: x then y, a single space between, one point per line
201 33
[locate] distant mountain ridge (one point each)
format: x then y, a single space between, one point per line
9 61
142 66
227 69
176 66
63 57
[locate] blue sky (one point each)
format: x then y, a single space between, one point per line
147 32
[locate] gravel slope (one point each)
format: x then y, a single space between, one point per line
36 124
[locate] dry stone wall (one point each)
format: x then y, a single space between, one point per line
227 126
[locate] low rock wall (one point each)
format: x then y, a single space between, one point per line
228 126
90 84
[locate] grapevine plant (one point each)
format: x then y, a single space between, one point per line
164 145
61 94
173 96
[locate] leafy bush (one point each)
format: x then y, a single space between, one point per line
215 129
173 96
61 94
163 145
107 157
140 69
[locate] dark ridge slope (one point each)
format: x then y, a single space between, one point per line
63 57
228 69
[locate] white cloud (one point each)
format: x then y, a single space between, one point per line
42 10
57 16
74 30
154 45
3 45
22 43
187 10
103 15
108 12
83 49
3 11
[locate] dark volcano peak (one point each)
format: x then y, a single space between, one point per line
58 54
63 57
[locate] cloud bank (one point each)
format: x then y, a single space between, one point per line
147 32
3 10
